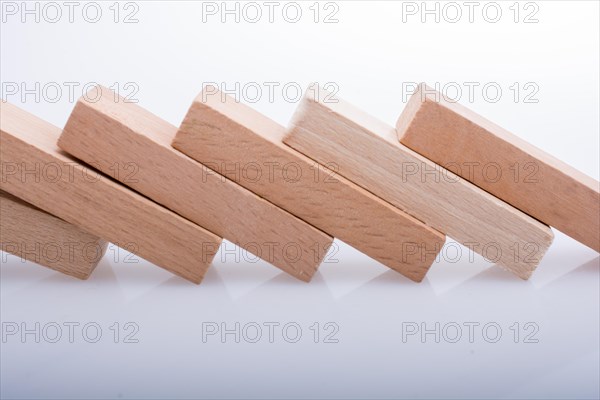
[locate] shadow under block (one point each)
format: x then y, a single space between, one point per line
502 164
109 135
368 153
247 147
35 170
36 236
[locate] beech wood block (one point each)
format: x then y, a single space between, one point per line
36 236
35 170
368 153
502 164
110 134
246 146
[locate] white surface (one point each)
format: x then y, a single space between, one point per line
368 54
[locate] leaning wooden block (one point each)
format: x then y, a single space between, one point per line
35 170
503 164
116 135
36 236
368 153
246 146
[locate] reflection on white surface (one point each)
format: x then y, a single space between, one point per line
548 345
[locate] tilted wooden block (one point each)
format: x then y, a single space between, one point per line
112 135
368 153
35 170
239 142
36 236
502 164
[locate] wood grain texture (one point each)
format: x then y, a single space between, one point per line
368 153
34 235
35 170
247 147
108 133
503 164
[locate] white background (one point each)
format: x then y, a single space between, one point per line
371 54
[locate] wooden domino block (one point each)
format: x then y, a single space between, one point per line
113 135
502 164
368 153
36 236
247 147
35 170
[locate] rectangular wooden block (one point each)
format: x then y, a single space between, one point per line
36 236
503 164
117 135
368 153
35 170
246 146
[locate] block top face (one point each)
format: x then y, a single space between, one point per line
128 114
426 101
323 114
318 99
29 128
211 100
32 130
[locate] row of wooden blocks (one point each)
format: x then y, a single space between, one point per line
117 173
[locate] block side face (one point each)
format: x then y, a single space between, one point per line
415 185
34 235
507 171
314 193
106 209
192 190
